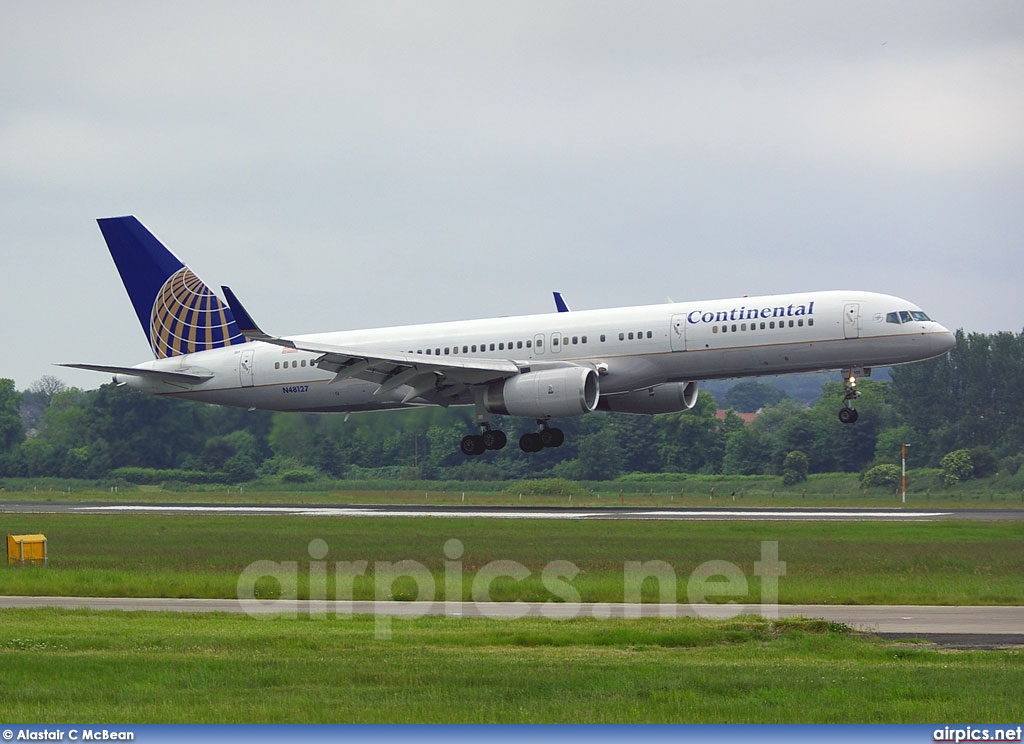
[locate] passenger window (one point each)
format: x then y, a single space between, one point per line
277 365
303 363
501 346
583 340
622 337
800 322
519 344
492 347
602 338
810 321
631 335
529 344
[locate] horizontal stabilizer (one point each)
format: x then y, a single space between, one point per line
179 377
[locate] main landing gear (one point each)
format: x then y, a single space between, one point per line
495 439
487 439
848 414
544 437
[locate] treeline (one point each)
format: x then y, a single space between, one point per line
963 412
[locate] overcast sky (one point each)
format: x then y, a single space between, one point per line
344 165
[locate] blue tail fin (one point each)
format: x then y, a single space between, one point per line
177 311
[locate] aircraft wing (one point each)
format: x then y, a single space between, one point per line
431 377
173 377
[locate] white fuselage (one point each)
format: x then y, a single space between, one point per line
631 347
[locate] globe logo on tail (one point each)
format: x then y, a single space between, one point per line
188 317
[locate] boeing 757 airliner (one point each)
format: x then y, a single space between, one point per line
641 360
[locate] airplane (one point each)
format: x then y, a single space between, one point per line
640 360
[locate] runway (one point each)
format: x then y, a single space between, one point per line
965 626
682 513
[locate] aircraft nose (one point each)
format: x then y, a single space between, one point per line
944 340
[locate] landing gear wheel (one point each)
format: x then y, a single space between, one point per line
552 437
472 444
848 415
494 439
530 443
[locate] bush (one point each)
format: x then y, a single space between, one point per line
794 468
882 476
546 487
299 476
956 467
983 462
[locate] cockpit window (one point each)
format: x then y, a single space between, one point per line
906 316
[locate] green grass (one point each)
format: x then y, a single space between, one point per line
826 562
925 490
73 666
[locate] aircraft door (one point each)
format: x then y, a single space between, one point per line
851 320
556 343
677 333
538 344
245 368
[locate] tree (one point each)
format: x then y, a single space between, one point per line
46 387
600 456
751 396
11 431
694 441
748 451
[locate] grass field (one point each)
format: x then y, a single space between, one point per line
925 490
64 667
826 562
116 667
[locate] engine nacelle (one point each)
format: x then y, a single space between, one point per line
671 397
548 393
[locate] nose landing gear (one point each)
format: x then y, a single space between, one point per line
848 414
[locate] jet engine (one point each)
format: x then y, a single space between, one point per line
549 393
671 397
